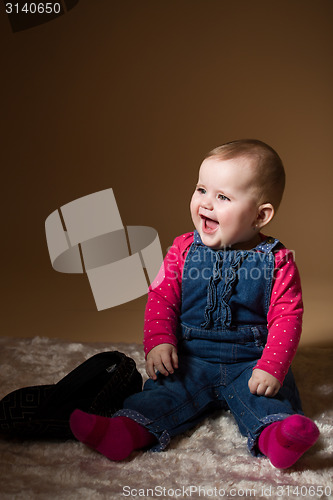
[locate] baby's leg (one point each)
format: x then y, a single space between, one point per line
276 426
285 442
166 407
115 438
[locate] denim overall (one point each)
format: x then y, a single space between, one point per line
222 334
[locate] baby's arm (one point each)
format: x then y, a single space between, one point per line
163 358
284 328
163 309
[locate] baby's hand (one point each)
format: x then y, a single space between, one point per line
263 383
163 358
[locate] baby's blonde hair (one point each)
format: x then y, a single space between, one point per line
270 174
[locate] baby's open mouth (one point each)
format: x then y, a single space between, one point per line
209 225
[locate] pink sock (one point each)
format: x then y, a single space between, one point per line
115 437
285 442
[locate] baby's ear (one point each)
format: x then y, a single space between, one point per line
265 215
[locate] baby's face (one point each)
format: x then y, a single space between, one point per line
224 205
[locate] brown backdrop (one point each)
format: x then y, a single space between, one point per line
131 95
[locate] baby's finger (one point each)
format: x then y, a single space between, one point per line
261 389
161 368
253 386
168 365
174 358
150 369
271 391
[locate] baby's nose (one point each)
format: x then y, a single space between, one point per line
207 203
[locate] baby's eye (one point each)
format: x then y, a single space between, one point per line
223 198
201 190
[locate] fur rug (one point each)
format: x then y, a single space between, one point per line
211 461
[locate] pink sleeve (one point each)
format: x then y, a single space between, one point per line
164 297
284 319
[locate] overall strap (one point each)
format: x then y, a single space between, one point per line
269 245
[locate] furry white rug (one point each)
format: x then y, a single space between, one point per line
211 461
